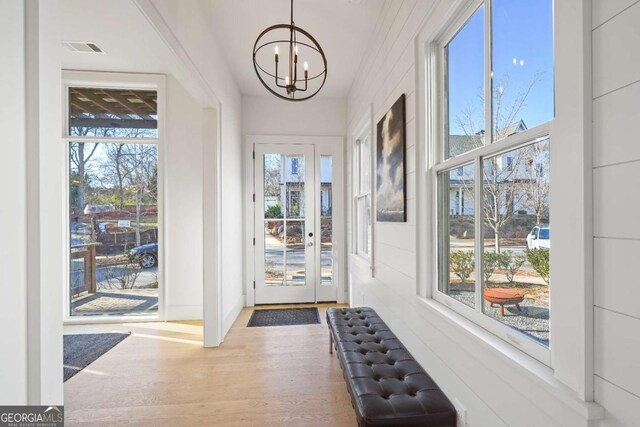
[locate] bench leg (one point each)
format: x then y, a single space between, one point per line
518 307
501 310
330 343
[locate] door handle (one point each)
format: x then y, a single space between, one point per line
310 244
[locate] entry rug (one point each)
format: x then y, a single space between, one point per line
284 317
80 350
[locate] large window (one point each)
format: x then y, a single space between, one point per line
362 195
492 173
113 201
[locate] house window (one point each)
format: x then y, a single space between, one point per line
362 196
113 239
494 155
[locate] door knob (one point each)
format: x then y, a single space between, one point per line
310 244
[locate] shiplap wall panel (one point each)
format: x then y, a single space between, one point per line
410 182
361 97
616 209
411 152
395 235
615 126
603 10
617 346
615 46
379 61
398 280
622 407
616 201
399 258
615 283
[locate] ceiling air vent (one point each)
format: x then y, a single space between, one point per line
82 47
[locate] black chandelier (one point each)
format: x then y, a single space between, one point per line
301 45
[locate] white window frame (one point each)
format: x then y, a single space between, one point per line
441 164
108 80
363 131
569 378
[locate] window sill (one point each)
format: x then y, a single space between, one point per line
531 370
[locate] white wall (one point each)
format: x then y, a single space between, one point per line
13 210
269 115
616 172
183 181
188 23
46 206
493 381
31 279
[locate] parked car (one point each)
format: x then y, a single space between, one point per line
94 209
145 255
538 238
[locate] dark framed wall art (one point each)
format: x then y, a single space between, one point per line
391 198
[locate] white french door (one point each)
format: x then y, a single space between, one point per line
293 212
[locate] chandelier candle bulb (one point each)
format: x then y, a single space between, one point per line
277 52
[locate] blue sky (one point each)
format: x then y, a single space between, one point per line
522 48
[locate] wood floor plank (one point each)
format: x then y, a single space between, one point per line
162 376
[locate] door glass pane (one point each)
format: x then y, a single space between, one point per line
273 185
326 220
517 240
457 276
464 87
113 216
522 65
295 186
113 113
295 255
274 253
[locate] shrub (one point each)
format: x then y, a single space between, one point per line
511 263
461 263
539 259
490 262
274 211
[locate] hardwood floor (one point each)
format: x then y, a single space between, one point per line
161 375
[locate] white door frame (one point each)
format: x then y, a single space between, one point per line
324 145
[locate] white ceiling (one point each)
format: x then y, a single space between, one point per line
342 27
110 25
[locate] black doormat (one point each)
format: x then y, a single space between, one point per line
82 349
284 317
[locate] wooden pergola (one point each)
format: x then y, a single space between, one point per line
108 108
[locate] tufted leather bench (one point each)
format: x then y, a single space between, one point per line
387 386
